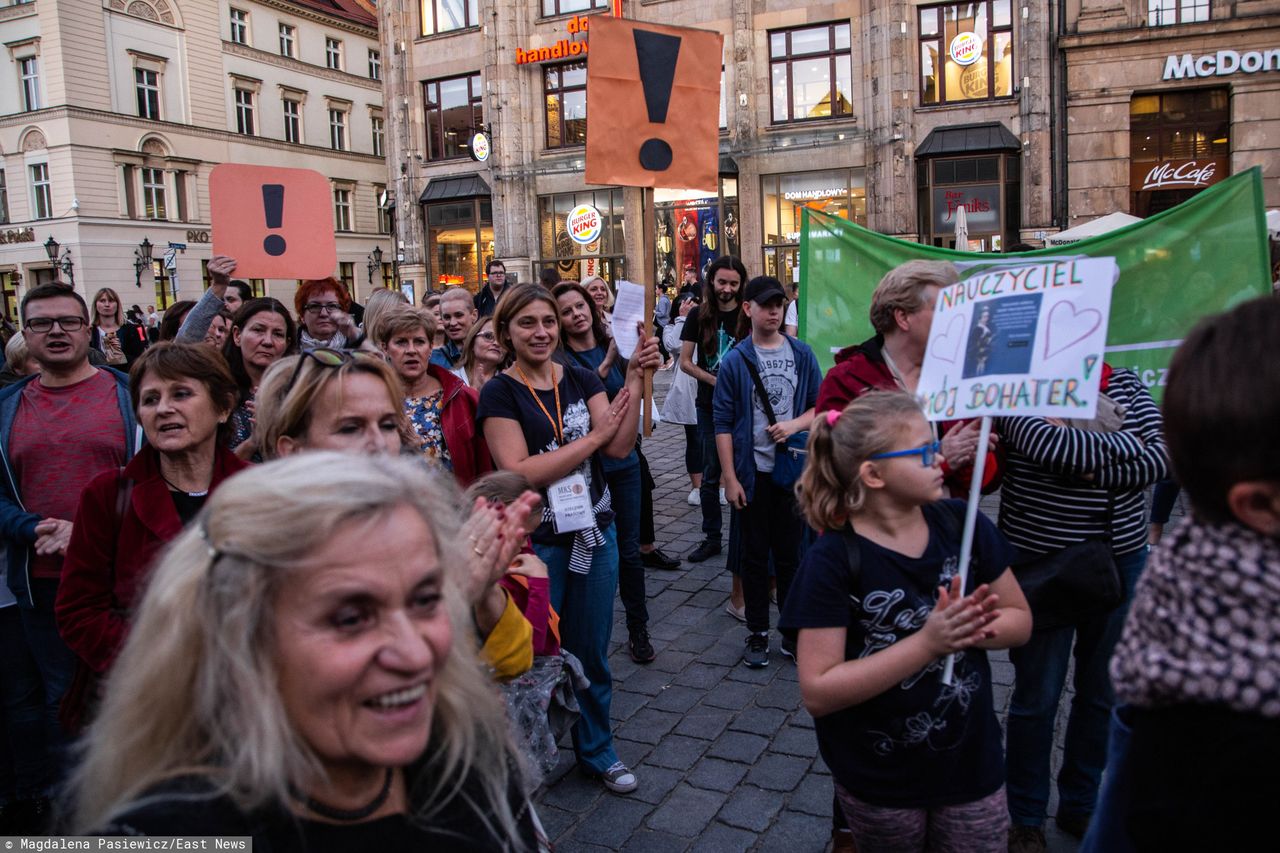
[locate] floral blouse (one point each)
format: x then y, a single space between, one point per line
424 413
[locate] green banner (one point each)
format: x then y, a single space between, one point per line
1201 257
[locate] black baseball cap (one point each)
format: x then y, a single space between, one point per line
764 288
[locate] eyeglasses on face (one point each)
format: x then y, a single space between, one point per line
41 325
486 336
321 308
928 453
327 357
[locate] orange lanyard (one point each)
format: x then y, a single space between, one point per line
557 423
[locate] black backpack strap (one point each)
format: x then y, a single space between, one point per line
764 395
853 554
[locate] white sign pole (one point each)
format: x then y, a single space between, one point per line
970 521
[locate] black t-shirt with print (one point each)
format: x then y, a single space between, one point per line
726 329
506 396
919 744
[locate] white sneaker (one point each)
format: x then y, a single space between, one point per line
723 502
694 499
619 779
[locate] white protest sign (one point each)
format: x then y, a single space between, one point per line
1019 341
628 310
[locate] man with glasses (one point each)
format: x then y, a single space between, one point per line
58 430
487 299
457 316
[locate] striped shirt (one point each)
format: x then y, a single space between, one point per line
1059 482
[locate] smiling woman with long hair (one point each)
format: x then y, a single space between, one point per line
318 690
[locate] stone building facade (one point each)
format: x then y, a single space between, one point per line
1164 98
888 112
114 112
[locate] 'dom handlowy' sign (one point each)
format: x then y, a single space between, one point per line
1019 341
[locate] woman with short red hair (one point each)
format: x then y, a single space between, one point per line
323 318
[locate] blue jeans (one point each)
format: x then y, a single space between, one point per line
585 605
1163 497
709 494
1040 672
1107 830
624 486
27 765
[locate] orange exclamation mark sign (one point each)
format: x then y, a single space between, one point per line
657 54
273 209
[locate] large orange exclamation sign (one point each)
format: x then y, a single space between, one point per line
657 54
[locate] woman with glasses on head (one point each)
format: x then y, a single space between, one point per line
482 355
261 334
553 423
323 307
440 407
183 395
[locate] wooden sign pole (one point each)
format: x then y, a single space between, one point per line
649 254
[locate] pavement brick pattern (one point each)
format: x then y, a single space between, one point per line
726 756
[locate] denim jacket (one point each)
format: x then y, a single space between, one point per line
17 525
732 409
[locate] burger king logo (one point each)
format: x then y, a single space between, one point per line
583 224
966 49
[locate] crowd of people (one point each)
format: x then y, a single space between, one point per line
342 576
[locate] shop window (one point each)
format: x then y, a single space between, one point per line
1179 143
695 228
551 8
442 16
812 74
453 109
459 241
835 192
257 286
966 52
565 90
1166 13
987 186
163 284
605 256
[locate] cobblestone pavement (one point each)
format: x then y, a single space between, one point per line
726 756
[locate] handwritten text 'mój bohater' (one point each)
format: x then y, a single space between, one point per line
1012 396
1006 282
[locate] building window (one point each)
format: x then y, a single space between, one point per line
565 91
342 210
29 68
564 7
153 194
379 136
812 72
442 16
4 200
41 192
375 64
384 213
338 130
239 26
333 54
453 112
724 103
694 227
835 192
1166 13
459 241
987 186
244 112
606 257
292 120
1179 143
974 44
147 86
287 40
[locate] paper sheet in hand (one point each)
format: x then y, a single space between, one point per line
628 310
1016 341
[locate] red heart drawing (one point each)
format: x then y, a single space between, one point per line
1070 325
946 346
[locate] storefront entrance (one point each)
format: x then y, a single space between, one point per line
1179 143
835 192
604 256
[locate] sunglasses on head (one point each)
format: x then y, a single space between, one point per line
327 357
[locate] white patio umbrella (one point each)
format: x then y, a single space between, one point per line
962 229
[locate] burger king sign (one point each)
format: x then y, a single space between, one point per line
965 49
583 224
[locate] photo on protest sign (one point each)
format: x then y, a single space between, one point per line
1019 341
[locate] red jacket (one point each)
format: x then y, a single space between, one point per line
862 368
467 449
110 553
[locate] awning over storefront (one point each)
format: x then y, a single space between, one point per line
454 187
728 166
967 138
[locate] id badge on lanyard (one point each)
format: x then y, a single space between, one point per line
570 503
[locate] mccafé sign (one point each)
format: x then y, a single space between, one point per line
1176 174
1221 63
562 49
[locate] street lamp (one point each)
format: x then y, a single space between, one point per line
51 247
375 263
141 260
